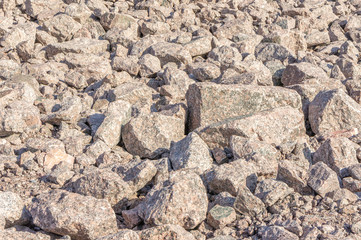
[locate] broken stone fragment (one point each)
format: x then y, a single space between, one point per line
219 216
12 209
276 126
248 204
204 99
103 184
181 200
72 214
323 179
173 230
190 152
78 45
325 113
338 153
150 135
270 191
298 73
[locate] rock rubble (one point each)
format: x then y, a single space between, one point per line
180 119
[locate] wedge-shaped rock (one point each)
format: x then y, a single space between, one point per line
24 234
180 200
332 111
270 191
278 233
124 234
150 135
248 204
338 153
80 217
170 52
18 117
175 231
294 175
323 179
12 209
276 126
78 45
62 26
103 184
118 114
301 72
191 152
229 177
210 103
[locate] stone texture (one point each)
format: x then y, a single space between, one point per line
231 101
151 135
190 152
276 126
71 214
338 153
12 209
248 204
325 113
175 232
181 200
323 179
270 191
299 73
219 217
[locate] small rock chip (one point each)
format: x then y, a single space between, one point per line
323 179
219 216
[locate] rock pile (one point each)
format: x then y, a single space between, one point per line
180 119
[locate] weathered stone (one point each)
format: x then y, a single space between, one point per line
151 135
278 233
34 8
128 64
12 209
276 126
325 113
56 156
270 191
199 46
229 176
117 115
294 175
124 234
170 52
62 26
181 200
18 117
355 171
103 184
116 20
190 152
204 71
204 99
218 217
26 234
137 173
8 69
270 51
351 184
176 232
248 204
149 65
338 153
69 111
80 217
79 12
298 73
78 45
323 179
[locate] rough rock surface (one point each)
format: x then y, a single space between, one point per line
180 119
71 214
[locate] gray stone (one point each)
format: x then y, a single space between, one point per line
323 179
80 217
332 111
12 209
190 152
151 135
175 231
204 99
219 216
298 73
248 204
270 191
181 200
